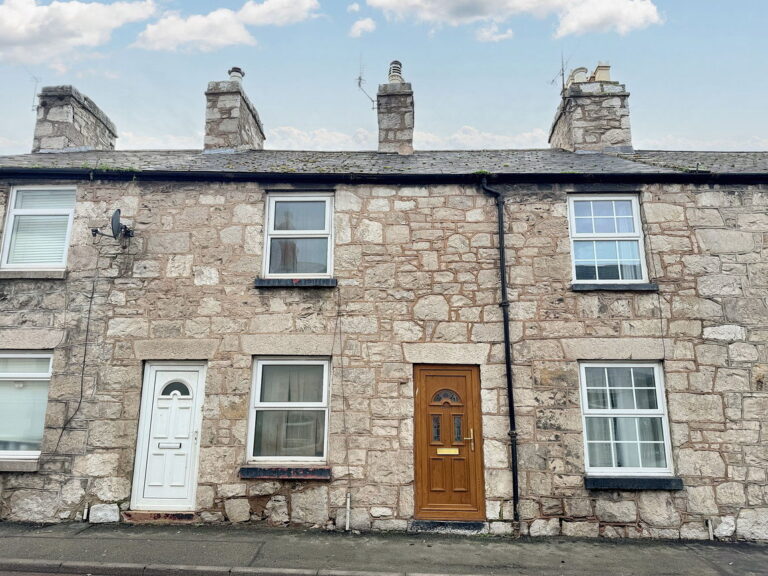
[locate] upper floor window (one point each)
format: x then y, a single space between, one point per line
289 410
607 239
24 382
38 227
299 242
625 419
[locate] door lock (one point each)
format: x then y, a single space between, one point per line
471 439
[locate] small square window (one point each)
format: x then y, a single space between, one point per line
299 239
24 380
289 410
38 228
606 240
625 421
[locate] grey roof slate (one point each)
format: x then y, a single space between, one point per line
457 162
718 162
310 162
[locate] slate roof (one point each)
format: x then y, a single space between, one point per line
454 162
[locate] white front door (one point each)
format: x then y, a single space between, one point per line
165 471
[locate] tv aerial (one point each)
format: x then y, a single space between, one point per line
120 231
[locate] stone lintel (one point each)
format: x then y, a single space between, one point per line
613 348
288 344
439 353
175 349
30 338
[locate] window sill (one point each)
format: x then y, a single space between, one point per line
28 465
640 287
632 483
253 472
33 274
295 283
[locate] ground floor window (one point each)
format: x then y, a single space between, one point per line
625 419
24 380
289 410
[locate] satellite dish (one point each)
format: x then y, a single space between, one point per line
119 230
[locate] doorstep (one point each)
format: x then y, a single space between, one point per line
448 527
154 517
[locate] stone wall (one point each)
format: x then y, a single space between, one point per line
592 116
68 119
231 120
418 282
395 112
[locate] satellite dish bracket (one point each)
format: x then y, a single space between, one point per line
119 230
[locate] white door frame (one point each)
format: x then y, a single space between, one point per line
138 502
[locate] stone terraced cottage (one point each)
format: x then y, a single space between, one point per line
323 338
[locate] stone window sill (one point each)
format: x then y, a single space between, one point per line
632 483
295 283
644 287
33 274
30 465
252 472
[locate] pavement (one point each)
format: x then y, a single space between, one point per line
146 550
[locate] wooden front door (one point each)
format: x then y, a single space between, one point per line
448 443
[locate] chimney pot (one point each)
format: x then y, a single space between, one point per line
395 72
236 74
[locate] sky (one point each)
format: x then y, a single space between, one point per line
485 73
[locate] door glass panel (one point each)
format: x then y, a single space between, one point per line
436 435
457 435
446 396
180 387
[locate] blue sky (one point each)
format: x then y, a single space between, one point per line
482 70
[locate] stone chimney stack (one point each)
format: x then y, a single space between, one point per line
70 121
231 121
593 115
394 104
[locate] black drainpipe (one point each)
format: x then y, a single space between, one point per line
504 304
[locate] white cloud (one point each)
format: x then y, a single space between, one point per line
465 138
712 143
290 138
197 32
134 141
32 33
470 138
490 33
354 7
574 16
362 26
222 27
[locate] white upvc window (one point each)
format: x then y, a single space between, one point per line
38 228
606 240
626 432
24 379
289 410
299 236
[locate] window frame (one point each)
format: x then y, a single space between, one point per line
12 212
638 235
257 406
326 232
38 376
659 411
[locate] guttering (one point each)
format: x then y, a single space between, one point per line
504 304
128 174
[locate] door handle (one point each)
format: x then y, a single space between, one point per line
471 439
